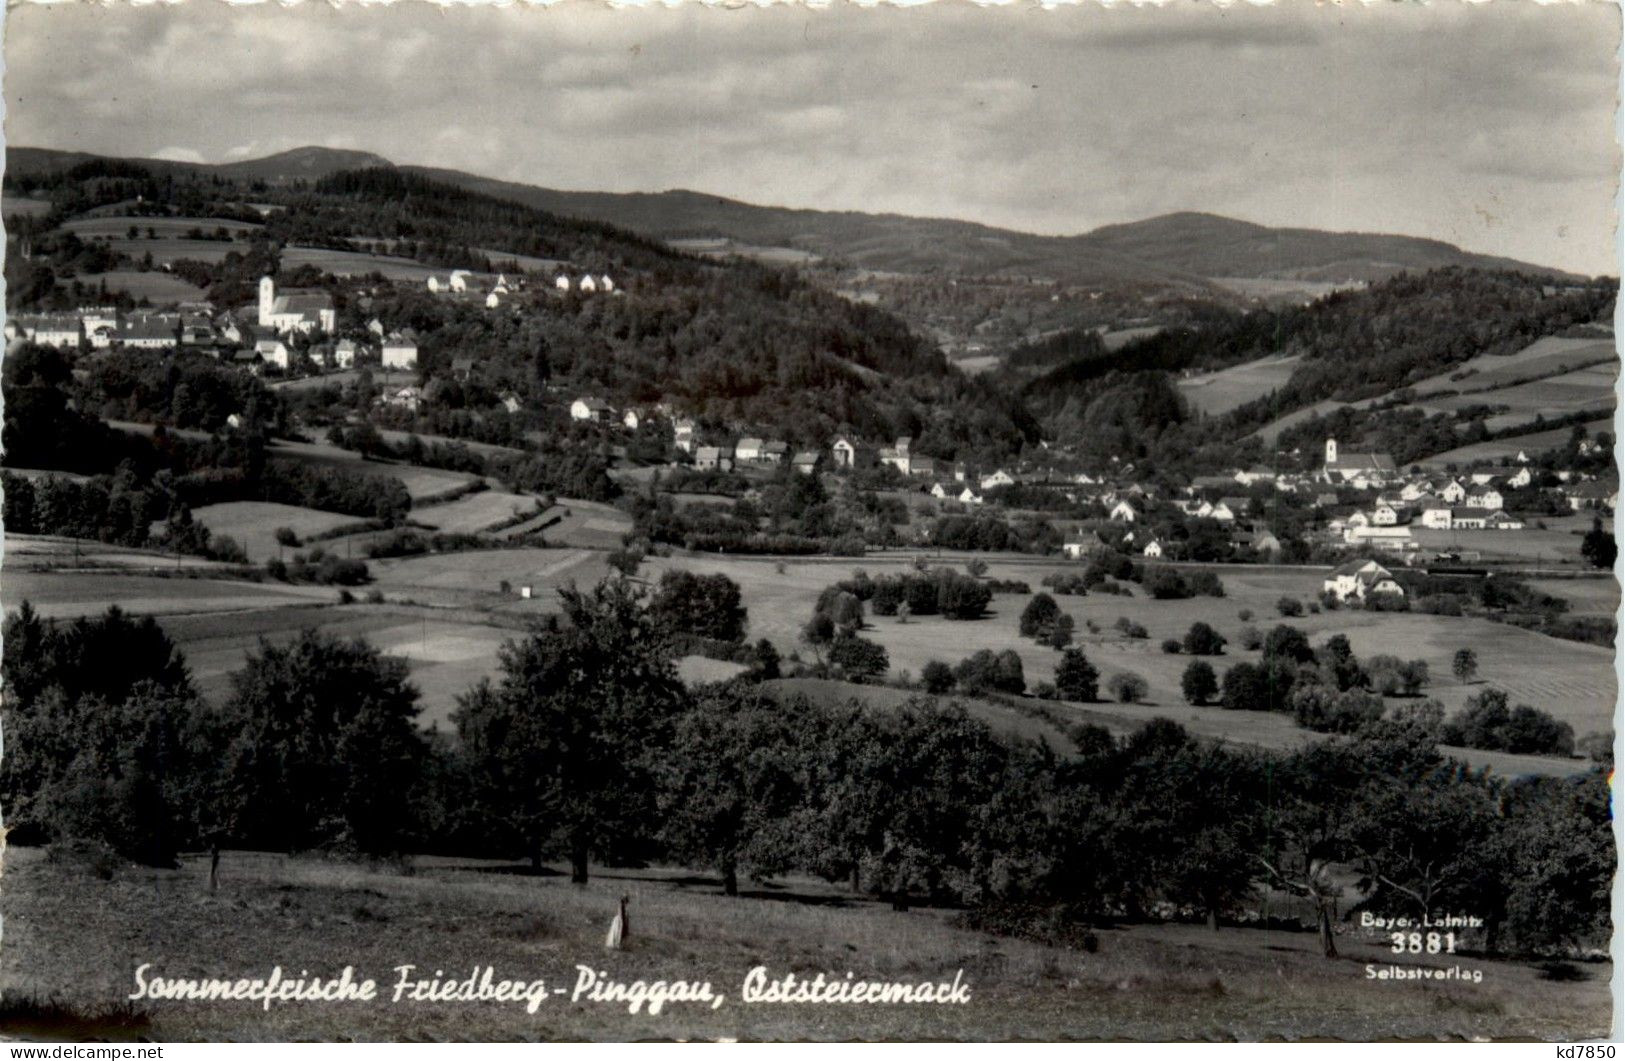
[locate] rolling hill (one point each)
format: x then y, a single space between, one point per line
1178 252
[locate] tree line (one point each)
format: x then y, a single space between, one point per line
587 747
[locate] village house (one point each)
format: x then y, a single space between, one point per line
1395 538
344 353
998 478
1436 515
148 333
806 462
848 454
1453 492
1596 494
940 491
970 497
1361 578
561 283
922 467
1238 507
1481 496
594 409
1388 514
510 402
408 398
774 451
749 450
400 350
274 351
714 458
1257 473
630 420
61 330
296 310
683 435
1500 521
1467 518
898 456
1265 543
1152 550
1124 512
376 327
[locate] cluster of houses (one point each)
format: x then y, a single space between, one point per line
252 337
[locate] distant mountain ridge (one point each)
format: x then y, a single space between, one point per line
1179 251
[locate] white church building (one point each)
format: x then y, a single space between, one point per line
298 310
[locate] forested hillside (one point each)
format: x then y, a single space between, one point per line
1351 345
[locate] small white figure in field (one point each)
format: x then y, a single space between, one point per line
619 928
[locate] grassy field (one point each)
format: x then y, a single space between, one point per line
420 482
78 940
254 524
1546 357
156 286
1575 682
66 594
476 512
22 206
1557 543
1506 449
1557 395
162 227
1586 596
1216 393
355 263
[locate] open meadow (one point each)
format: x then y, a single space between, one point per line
1573 681
1506 449
476 512
1216 393
253 524
155 285
77 940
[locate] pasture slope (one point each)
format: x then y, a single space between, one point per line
77 940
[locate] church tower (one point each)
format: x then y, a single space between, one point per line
1331 451
267 300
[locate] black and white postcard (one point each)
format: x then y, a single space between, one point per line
936 522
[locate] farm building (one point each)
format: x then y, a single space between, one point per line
1361 578
594 409
274 352
714 458
148 333
1395 538
61 330
848 454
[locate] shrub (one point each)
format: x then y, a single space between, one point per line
1199 683
1250 638
286 536
986 671
1128 628
1172 646
859 659
1289 607
1289 643
1202 640
937 677
1245 615
1128 687
1076 678
1244 688
1039 615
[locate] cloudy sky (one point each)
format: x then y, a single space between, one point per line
1487 125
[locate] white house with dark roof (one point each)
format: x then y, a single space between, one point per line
400 350
594 409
